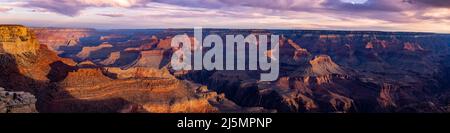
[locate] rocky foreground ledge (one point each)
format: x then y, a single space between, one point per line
17 102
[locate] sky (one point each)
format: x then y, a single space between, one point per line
380 15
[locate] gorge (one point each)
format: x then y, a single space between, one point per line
126 71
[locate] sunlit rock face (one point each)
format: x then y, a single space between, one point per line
17 39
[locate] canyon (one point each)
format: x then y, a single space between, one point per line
36 77
129 71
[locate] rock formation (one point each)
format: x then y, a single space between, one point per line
324 65
16 39
87 52
112 58
151 59
17 102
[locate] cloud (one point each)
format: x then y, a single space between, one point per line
381 14
369 5
277 5
386 10
213 4
73 7
113 15
433 3
39 10
2 9
65 7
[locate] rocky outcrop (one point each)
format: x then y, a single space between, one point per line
17 39
112 58
23 63
151 59
87 52
86 64
17 102
324 65
137 72
412 47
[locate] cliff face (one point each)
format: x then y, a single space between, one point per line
324 65
25 66
23 60
16 39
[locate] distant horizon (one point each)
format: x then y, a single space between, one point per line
220 28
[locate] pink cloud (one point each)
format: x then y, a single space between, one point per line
2 9
274 13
